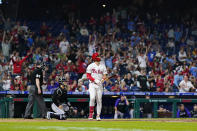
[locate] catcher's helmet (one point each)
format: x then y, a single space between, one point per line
96 57
61 80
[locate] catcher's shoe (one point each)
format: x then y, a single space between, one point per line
48 115
90 116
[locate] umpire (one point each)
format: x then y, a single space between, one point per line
35 92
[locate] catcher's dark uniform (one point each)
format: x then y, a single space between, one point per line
59 96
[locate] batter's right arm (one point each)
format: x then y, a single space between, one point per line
92 79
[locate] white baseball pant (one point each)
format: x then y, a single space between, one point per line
57 110
117 114
95 92
131 113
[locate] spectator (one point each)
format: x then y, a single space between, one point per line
194 54
178 78
44 29
30 41
182 55
92 21
193 81
52 86
44 86
84 31
151 80
81 67
193 69
142 60
65 31
142 81
128 80
183 112
171 33
115 88
18 64
17 84
64 46
6 45
73 86
37 55
6 82
151 55
131 25
24 27
167 87
178 35
80 86
169 78
190 42
160 83
108 60
124 87
7 24
171 47
186 85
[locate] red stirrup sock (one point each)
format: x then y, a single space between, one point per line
91 110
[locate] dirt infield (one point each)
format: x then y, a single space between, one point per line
86 120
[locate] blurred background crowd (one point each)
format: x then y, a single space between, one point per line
147 50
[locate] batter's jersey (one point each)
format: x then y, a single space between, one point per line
97 71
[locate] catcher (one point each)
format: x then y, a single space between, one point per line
60 105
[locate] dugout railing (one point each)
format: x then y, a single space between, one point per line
5 101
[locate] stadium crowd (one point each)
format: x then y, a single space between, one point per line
144 52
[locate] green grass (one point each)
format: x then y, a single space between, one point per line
52 125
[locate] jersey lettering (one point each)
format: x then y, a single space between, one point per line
100 72
94 71
97 72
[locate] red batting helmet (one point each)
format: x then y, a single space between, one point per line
95 57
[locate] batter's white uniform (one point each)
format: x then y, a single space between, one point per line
95 90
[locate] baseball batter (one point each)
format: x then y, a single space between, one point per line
96 73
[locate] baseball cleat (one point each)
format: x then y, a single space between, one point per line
90 116
48 115
98 118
